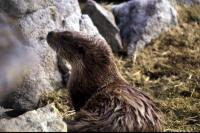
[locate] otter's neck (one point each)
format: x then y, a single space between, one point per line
87 78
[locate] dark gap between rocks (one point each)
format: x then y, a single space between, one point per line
14 113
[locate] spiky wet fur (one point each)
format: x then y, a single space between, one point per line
104 101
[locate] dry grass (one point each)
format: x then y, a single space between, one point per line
62 102
168 70
189 14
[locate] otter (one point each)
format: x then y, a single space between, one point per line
102 98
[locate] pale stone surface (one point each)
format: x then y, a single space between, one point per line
35 19
104 21
46 119
140 21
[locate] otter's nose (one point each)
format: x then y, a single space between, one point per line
50 36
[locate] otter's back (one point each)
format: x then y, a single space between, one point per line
119 108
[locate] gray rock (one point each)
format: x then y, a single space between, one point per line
3 112
104 21
35 22
20 8
15 59
35 19
87 26
140 21
46 119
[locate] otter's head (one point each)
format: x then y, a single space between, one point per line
77 47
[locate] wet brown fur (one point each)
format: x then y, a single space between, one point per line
104 101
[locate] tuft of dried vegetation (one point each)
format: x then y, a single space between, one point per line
189 14
168 69
62 102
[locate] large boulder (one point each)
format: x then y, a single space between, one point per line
35 19
46 119
140 21
15 59
20 8
104 21
87 25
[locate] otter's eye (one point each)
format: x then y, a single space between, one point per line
81 50
62 37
